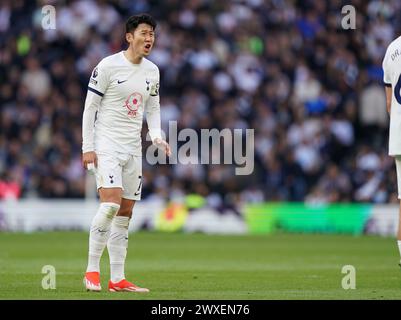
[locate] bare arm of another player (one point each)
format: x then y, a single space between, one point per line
92 103
389 94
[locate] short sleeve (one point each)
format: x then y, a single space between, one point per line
99 79
386 70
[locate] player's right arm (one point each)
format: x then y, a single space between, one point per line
92 103
98 84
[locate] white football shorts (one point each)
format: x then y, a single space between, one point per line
120 170
398 168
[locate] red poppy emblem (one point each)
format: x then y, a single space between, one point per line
133 102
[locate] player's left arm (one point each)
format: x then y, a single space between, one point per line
153 117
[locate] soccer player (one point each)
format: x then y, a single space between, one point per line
122 87
392 82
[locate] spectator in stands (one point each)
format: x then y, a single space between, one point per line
311 91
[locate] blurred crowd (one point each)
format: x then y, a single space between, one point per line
311 90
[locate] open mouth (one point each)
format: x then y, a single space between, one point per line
148 46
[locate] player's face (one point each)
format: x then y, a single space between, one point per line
142 39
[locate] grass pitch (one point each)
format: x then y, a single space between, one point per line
197 266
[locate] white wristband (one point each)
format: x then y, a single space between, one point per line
91 168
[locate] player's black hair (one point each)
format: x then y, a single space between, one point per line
133 22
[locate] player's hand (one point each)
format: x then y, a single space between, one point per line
89 157
163 145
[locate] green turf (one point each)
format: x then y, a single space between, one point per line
196 266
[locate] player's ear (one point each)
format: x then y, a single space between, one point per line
129 37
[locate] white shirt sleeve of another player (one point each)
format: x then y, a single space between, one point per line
386 69
97 86
153 109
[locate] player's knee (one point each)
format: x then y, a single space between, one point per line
110 195
126 208
106 213
125 211
110 208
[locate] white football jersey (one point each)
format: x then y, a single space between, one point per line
392 77
127 90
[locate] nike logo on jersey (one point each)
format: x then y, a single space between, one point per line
118 81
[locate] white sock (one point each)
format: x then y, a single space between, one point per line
117 246
99 233
399 247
